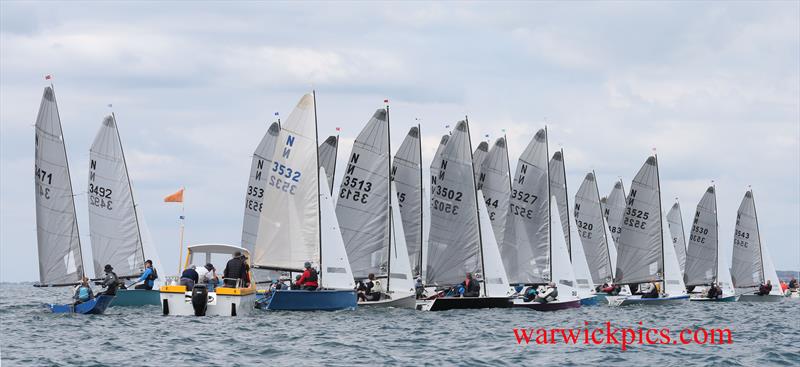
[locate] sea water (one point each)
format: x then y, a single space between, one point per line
765 334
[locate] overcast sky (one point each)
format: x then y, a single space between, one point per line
715 87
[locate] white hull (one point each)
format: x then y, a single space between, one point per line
180 304
403 301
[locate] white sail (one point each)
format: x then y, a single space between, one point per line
495 280
495 182
558 188
724 280
675 220
770 273
747 268
288 233
335 270
701 258
612 247
580 265
592 230
525 247
257 184
59 244
453 243
640 247
614 210
327 158
673 278
477 160
113 224
362 207
400 275
407 176
149 246
562 273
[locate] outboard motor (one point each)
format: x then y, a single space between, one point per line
200 299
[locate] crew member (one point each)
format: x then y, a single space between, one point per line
470 287
148 276
308 281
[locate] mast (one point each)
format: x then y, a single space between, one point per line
69 180
508 162
130 187
421 198
316 164
549 209
605 230
566 201
389 196
716 223
661 226
760 251
477 208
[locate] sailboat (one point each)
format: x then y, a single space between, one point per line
458 239
614 210
703 265
254 195
495 183
113 218
328 151
369 217
58 240
641 254
752 265
407 177
580 265
593 233
301 225
675 221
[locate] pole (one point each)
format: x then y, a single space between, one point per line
389 200
183 220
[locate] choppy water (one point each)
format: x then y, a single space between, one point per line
763 334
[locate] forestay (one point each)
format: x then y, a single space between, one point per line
526 246
614 211
477 160
327 158
495 182
558 188
639 250
256 184
362 208
747 268
407 176
675 221
453 243
335 272
113 224
701 258
495 279
288 233
59 244
591 229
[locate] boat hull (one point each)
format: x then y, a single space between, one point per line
550 306
180 304
401 301
719 299
319 300
461 303
757 298
95 306
136 297
591 301
638 300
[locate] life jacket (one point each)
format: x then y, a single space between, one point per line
83 293
312 275
153 275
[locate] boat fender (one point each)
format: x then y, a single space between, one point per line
165 307
200 299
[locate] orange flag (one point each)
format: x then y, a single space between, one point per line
176 197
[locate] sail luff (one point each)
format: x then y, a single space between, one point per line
477 212
128 176
701 257
257 184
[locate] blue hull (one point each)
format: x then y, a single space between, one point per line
590 301
297 300
721 299
136 297
95 306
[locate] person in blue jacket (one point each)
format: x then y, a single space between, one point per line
148 276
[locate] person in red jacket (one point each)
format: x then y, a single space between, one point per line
309 280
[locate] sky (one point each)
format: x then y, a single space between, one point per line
714 87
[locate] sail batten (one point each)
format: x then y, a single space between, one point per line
58 240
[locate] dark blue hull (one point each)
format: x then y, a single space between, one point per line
297 300
590 301
94 306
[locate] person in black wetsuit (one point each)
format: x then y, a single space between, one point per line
471 287
714 291
649 290
235 270
765 288
110 282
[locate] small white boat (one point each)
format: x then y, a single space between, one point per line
221 301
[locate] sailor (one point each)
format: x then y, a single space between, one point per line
470 287
308 281
374 288
110 282
419 288
714 291
189 277
235 271
648 290
793 284
296 285
148 276
549 294
207 275
83 292
530 294
765 288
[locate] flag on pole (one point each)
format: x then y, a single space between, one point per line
276 114
446 126
176 197
338 129
48 77
487 135
385 101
